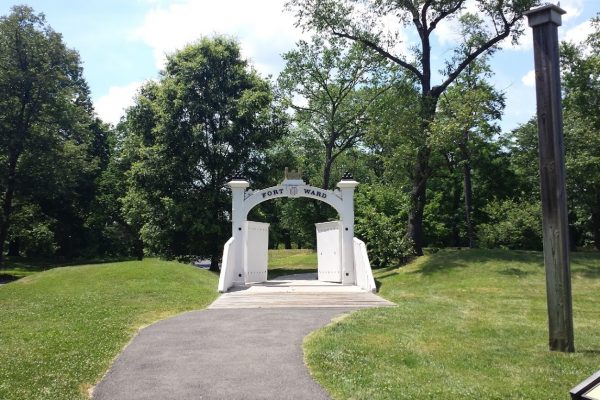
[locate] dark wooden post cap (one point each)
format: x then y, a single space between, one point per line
542 15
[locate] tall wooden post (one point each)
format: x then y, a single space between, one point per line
545 22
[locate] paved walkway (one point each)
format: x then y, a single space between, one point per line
250 352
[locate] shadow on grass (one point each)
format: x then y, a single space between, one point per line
7 278
588 351
452 259
383 273
588 271
14 268
515 272
586 264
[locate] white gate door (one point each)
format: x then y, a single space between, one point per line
329 251
256 251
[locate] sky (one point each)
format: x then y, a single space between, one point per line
124 43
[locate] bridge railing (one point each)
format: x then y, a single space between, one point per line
362 267
227 266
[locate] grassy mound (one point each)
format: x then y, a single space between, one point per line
469 324
60 329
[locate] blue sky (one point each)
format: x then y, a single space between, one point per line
123 43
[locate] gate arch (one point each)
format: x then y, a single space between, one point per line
293 190
233 268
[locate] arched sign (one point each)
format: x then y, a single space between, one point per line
293 189
235 269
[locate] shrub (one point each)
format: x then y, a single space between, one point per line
512 224
381 223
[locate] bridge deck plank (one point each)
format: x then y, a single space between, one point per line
284 293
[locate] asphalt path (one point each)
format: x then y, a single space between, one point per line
219 354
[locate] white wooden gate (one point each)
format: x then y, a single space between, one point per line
329 251
335 241
256 252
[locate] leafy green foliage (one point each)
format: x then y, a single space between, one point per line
378 25
581 77
208 119
380 221
512 225
464 128
51 147
118 236
524 160
339 83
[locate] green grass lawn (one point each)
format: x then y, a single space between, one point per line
60 329
286 262
469 324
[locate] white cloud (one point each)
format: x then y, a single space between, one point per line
395 34
578 33
263 28
520 106
448 32
572 7
529 79
525 41
111 107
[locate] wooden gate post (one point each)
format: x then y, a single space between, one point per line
545 22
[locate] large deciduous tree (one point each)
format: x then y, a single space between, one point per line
465 123
47 130
209 118
370 23
332 86
581 85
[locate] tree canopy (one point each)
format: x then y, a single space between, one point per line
434 166
368 23
210 118
51 146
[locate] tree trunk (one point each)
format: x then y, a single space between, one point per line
327 166
14 248
214 263
468 190
468 194
421 172
596 222
215 248
8 200
287 239
138 248
418 200
456 242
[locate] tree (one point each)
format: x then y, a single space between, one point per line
208 119
581 86
465 121
47 125
106 219
338 84
367 22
